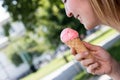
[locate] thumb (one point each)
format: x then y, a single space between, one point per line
90 46
103 55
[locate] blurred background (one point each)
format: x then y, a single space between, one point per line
30 46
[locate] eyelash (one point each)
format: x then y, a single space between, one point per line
64 1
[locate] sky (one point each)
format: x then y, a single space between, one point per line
3 13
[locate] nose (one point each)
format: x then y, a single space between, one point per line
68 12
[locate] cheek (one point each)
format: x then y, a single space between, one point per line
90 20
72 5
90 24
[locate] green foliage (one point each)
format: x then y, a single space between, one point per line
55 20
21 49
30 43
49 14
83 75
23 10
6 28
16 59
115 50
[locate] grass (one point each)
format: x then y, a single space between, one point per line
103 36
98 34
52 66
45 70
81 75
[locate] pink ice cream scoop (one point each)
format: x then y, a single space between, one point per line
71 38
68 34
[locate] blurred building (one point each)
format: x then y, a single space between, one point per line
17 30
8 71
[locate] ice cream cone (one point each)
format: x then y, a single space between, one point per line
78 46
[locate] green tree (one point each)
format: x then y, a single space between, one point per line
47 13
23 10
6 28
55 20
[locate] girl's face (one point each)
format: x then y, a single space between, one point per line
82 10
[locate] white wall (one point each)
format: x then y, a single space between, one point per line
9 70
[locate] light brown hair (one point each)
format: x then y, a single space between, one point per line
108 12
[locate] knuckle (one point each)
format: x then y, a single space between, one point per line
88 70
91 60
96 64
87 62
78 57
84 54
82 62
91 67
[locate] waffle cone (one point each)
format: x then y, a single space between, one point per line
78 46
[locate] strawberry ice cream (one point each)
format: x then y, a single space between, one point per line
71 38
68 34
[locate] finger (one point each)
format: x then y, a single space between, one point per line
90 46
102 56
87 62
73 51
91 68
99 72
81 56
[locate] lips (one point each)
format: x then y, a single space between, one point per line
79 18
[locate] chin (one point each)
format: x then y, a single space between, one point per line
89 27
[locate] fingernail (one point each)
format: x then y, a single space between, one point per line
86 53
77 56
88 70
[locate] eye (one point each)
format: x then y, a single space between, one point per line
64 1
